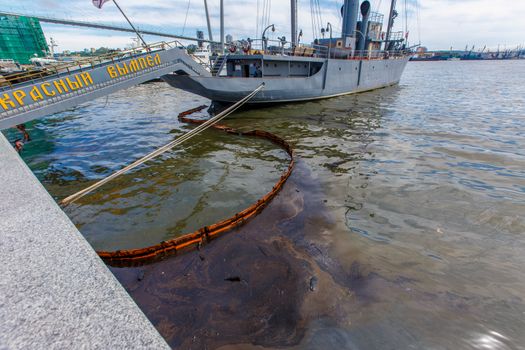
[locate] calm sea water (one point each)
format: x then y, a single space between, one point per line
422 187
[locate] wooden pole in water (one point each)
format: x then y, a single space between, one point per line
131 24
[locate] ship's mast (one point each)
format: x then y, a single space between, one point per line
222 27
390 23
210 35
293 6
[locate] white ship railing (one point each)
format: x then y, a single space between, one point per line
320 51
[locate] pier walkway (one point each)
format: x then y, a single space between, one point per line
55 292
35 94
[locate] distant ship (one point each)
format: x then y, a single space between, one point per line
364 58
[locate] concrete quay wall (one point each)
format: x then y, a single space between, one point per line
55 292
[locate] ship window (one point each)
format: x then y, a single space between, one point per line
339 68
275 65
305 66
266 64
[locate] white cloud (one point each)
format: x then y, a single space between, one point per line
444 23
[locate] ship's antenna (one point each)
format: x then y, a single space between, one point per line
257 20
52 45
406 22
294 22
418 9
210 35
390 24
222 27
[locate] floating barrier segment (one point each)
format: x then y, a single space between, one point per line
141 256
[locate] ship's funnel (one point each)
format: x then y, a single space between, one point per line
362 35
350 10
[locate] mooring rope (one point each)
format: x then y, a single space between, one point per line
137 257
208 123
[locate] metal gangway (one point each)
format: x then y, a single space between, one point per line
37 93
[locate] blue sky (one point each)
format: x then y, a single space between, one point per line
440 24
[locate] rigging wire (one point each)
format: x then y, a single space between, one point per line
320 20
264 16
319 17
316 18
257 20
312 18
269 13
186 18
406 21
378 7
418 18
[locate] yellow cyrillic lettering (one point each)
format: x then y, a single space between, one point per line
142 62
73 85
112 72
36 94
133 66
79 82
60 86
157 59
45 87
122 71
6 100
149 59
86 77
19 96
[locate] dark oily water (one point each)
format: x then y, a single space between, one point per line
401 227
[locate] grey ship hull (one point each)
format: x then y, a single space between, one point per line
336 77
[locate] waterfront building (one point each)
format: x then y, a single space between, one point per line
21 38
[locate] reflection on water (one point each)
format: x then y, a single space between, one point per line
420 191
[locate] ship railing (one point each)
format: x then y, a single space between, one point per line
397 36
380 54
176 43
285 48
82 64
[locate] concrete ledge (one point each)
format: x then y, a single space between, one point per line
55 292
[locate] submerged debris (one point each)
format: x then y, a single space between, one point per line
313 283
233 279
140 275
